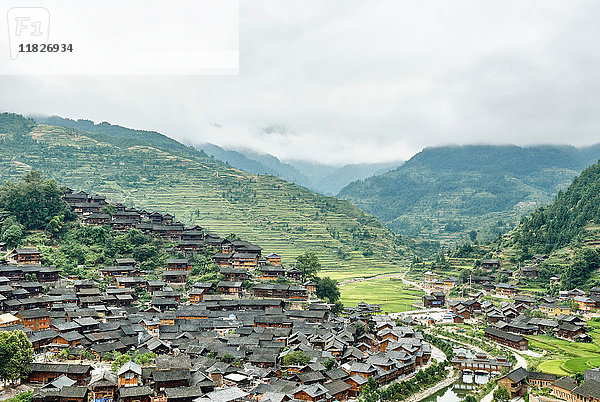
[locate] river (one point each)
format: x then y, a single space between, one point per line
459 389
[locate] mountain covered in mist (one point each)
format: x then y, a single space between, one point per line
320 177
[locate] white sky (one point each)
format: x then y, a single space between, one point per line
345 81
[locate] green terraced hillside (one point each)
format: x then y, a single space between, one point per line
279 216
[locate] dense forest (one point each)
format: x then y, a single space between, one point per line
566 219
444 193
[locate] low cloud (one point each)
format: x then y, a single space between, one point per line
365 81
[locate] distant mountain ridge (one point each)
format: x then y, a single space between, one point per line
443 193
320 177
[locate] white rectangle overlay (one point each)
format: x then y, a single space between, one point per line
119 37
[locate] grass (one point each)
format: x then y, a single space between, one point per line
568 357
391 294
552 367
279 216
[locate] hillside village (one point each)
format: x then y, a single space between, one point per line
258 333
259 330
97 286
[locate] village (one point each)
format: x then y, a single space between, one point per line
499 313
258 333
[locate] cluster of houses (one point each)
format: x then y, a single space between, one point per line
508 323
493 282
214 341
566 388
219 350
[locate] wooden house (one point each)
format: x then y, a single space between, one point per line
135 394
196 295
130 374
97 219
273 259
103 387
234 274
490 264
36 319
585 303
506 338
272 272
506 289
176 277
563 388
356 383
86 208
515 382
43 373
434 300
313 393
244 260
530 272
229 288
172 378
178 264
24 256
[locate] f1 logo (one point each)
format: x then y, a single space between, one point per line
27 25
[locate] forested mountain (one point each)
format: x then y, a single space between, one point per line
444 193
567 232
573 215
156 174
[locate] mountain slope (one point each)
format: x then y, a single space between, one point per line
319 177
443 193
573 215
253 162
280 216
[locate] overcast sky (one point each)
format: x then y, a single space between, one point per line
345 81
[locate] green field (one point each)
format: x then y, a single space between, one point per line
391 294
279 216
567 358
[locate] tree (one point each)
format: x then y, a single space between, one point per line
329 364
119 361
327 289
12 231
473 237
308 263
33 201
16 353
338 307
233 237
578 377
585 262
469 398
144 358
297 357
501 394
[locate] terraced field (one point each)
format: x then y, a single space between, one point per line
391 293
568 358
279 216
